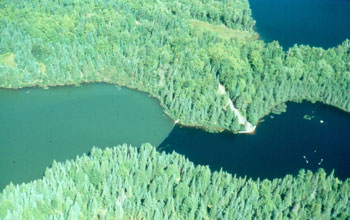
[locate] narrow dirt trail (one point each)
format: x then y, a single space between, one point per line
249 128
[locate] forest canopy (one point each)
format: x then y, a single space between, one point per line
208 67
180 52
141 183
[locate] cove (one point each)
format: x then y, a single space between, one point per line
39 126
282 144
321 23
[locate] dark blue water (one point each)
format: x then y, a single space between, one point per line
281 145
323 23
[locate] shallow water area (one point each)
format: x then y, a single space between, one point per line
39 126
282 144
321 23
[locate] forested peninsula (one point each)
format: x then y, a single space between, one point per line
208 67
178 51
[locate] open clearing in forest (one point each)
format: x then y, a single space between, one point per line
7 59
224 32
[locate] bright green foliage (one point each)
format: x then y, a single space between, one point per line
7 59
178 51
168 186
148 45
224 32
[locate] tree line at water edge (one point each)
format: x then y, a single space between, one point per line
178 51
125 182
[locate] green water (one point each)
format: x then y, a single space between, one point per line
39 126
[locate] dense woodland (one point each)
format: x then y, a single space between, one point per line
178 51
141 183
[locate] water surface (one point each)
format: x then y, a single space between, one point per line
39 126
281 145
322 23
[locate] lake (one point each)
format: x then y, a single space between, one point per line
39 126
321 23
282 144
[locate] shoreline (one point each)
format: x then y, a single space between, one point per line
251 129
175 121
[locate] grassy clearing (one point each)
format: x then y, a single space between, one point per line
8 59
225 32
42 67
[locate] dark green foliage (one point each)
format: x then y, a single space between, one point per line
163 186
178 51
